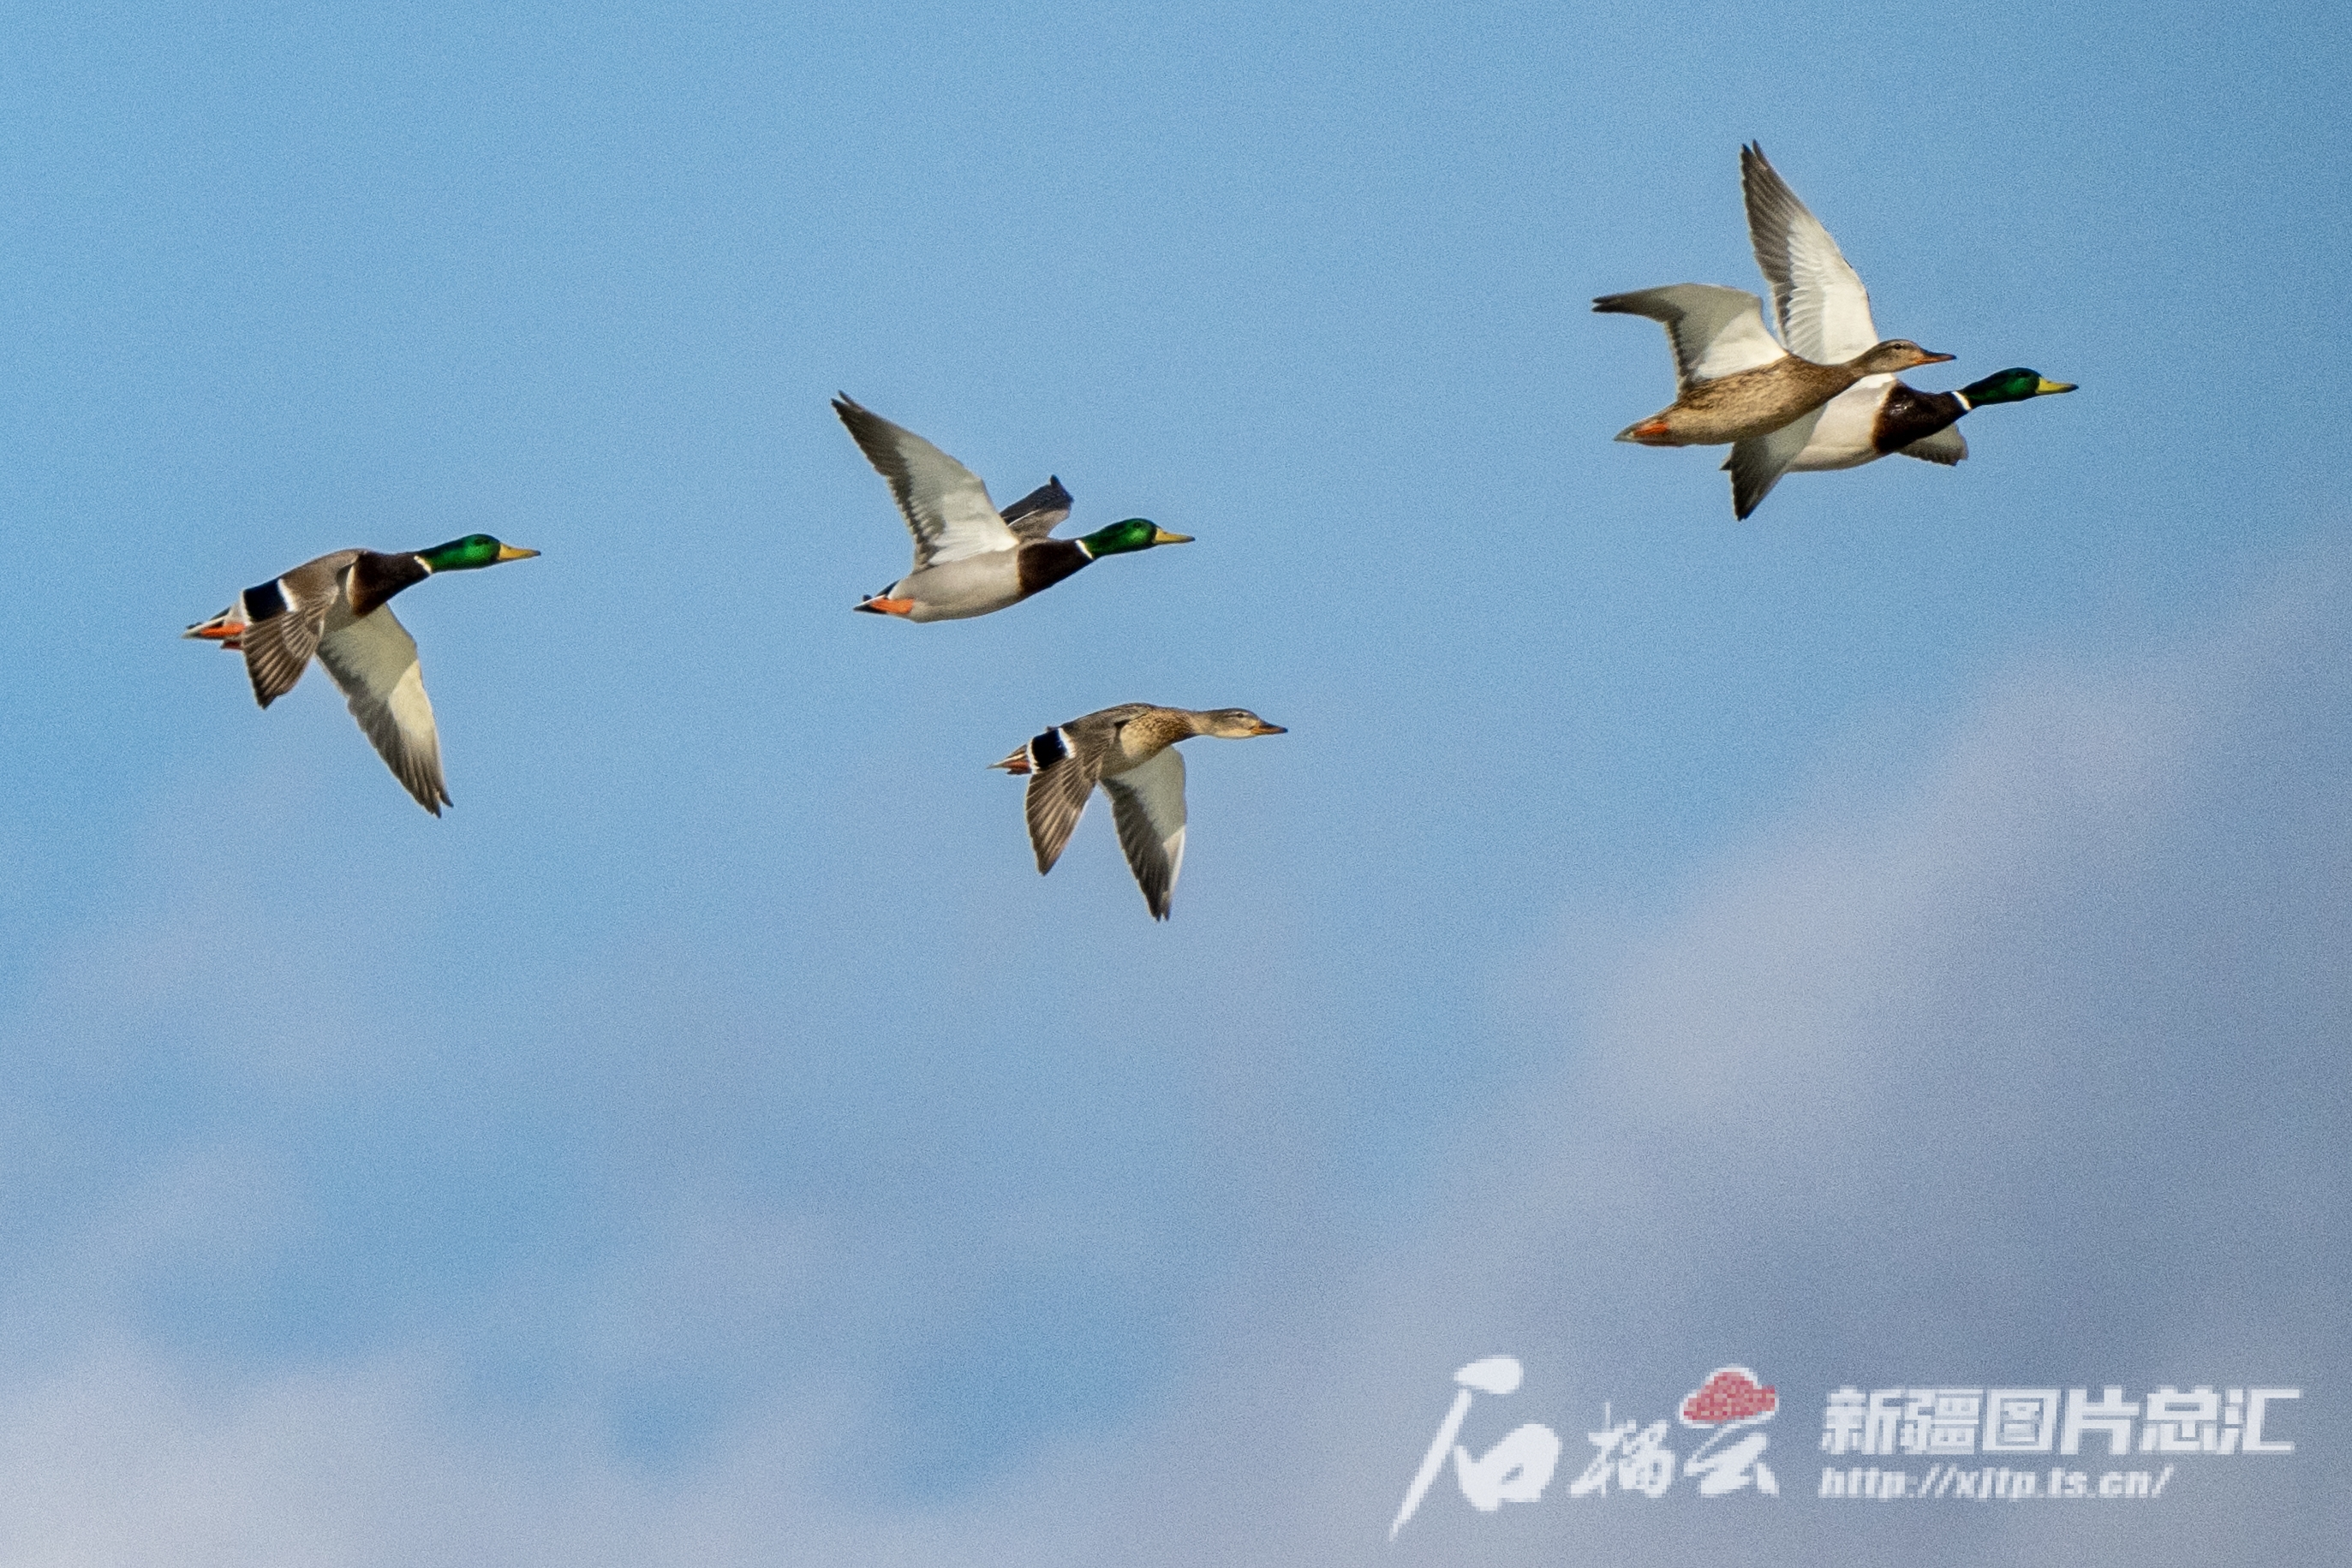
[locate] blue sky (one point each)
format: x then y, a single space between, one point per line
712 1142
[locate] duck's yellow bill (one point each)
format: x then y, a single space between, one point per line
512 552
1163 537
2044 389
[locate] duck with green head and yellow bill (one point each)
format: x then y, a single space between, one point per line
1899 418
970 558
1823 310
1130 751
339 608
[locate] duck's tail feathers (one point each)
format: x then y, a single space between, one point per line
228 628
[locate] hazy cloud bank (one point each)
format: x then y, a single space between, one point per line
2028 1067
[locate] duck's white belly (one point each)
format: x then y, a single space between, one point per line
1845 436
953 589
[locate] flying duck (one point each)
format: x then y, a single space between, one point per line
1741 387
337 607
969 559
1130 750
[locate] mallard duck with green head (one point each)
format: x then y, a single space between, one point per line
339 608
1824 311
969 559
1130 751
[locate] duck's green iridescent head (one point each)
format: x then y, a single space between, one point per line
2011 386
473 550
1134 534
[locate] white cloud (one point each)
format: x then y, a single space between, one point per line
2028 1066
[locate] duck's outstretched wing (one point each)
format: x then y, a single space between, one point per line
373 659
1147 803
1040 512
1757 463
1062 774
945 506
1824 310
1947 446
284 618
1715 331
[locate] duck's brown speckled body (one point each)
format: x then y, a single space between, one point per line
1736 382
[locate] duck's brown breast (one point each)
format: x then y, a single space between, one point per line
375 577
1909 415
1045 562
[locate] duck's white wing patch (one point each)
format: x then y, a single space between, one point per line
1824 308
1715 331
1947 446
1147 803
945 506
373 659
1757 463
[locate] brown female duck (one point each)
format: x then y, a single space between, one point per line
1130 750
